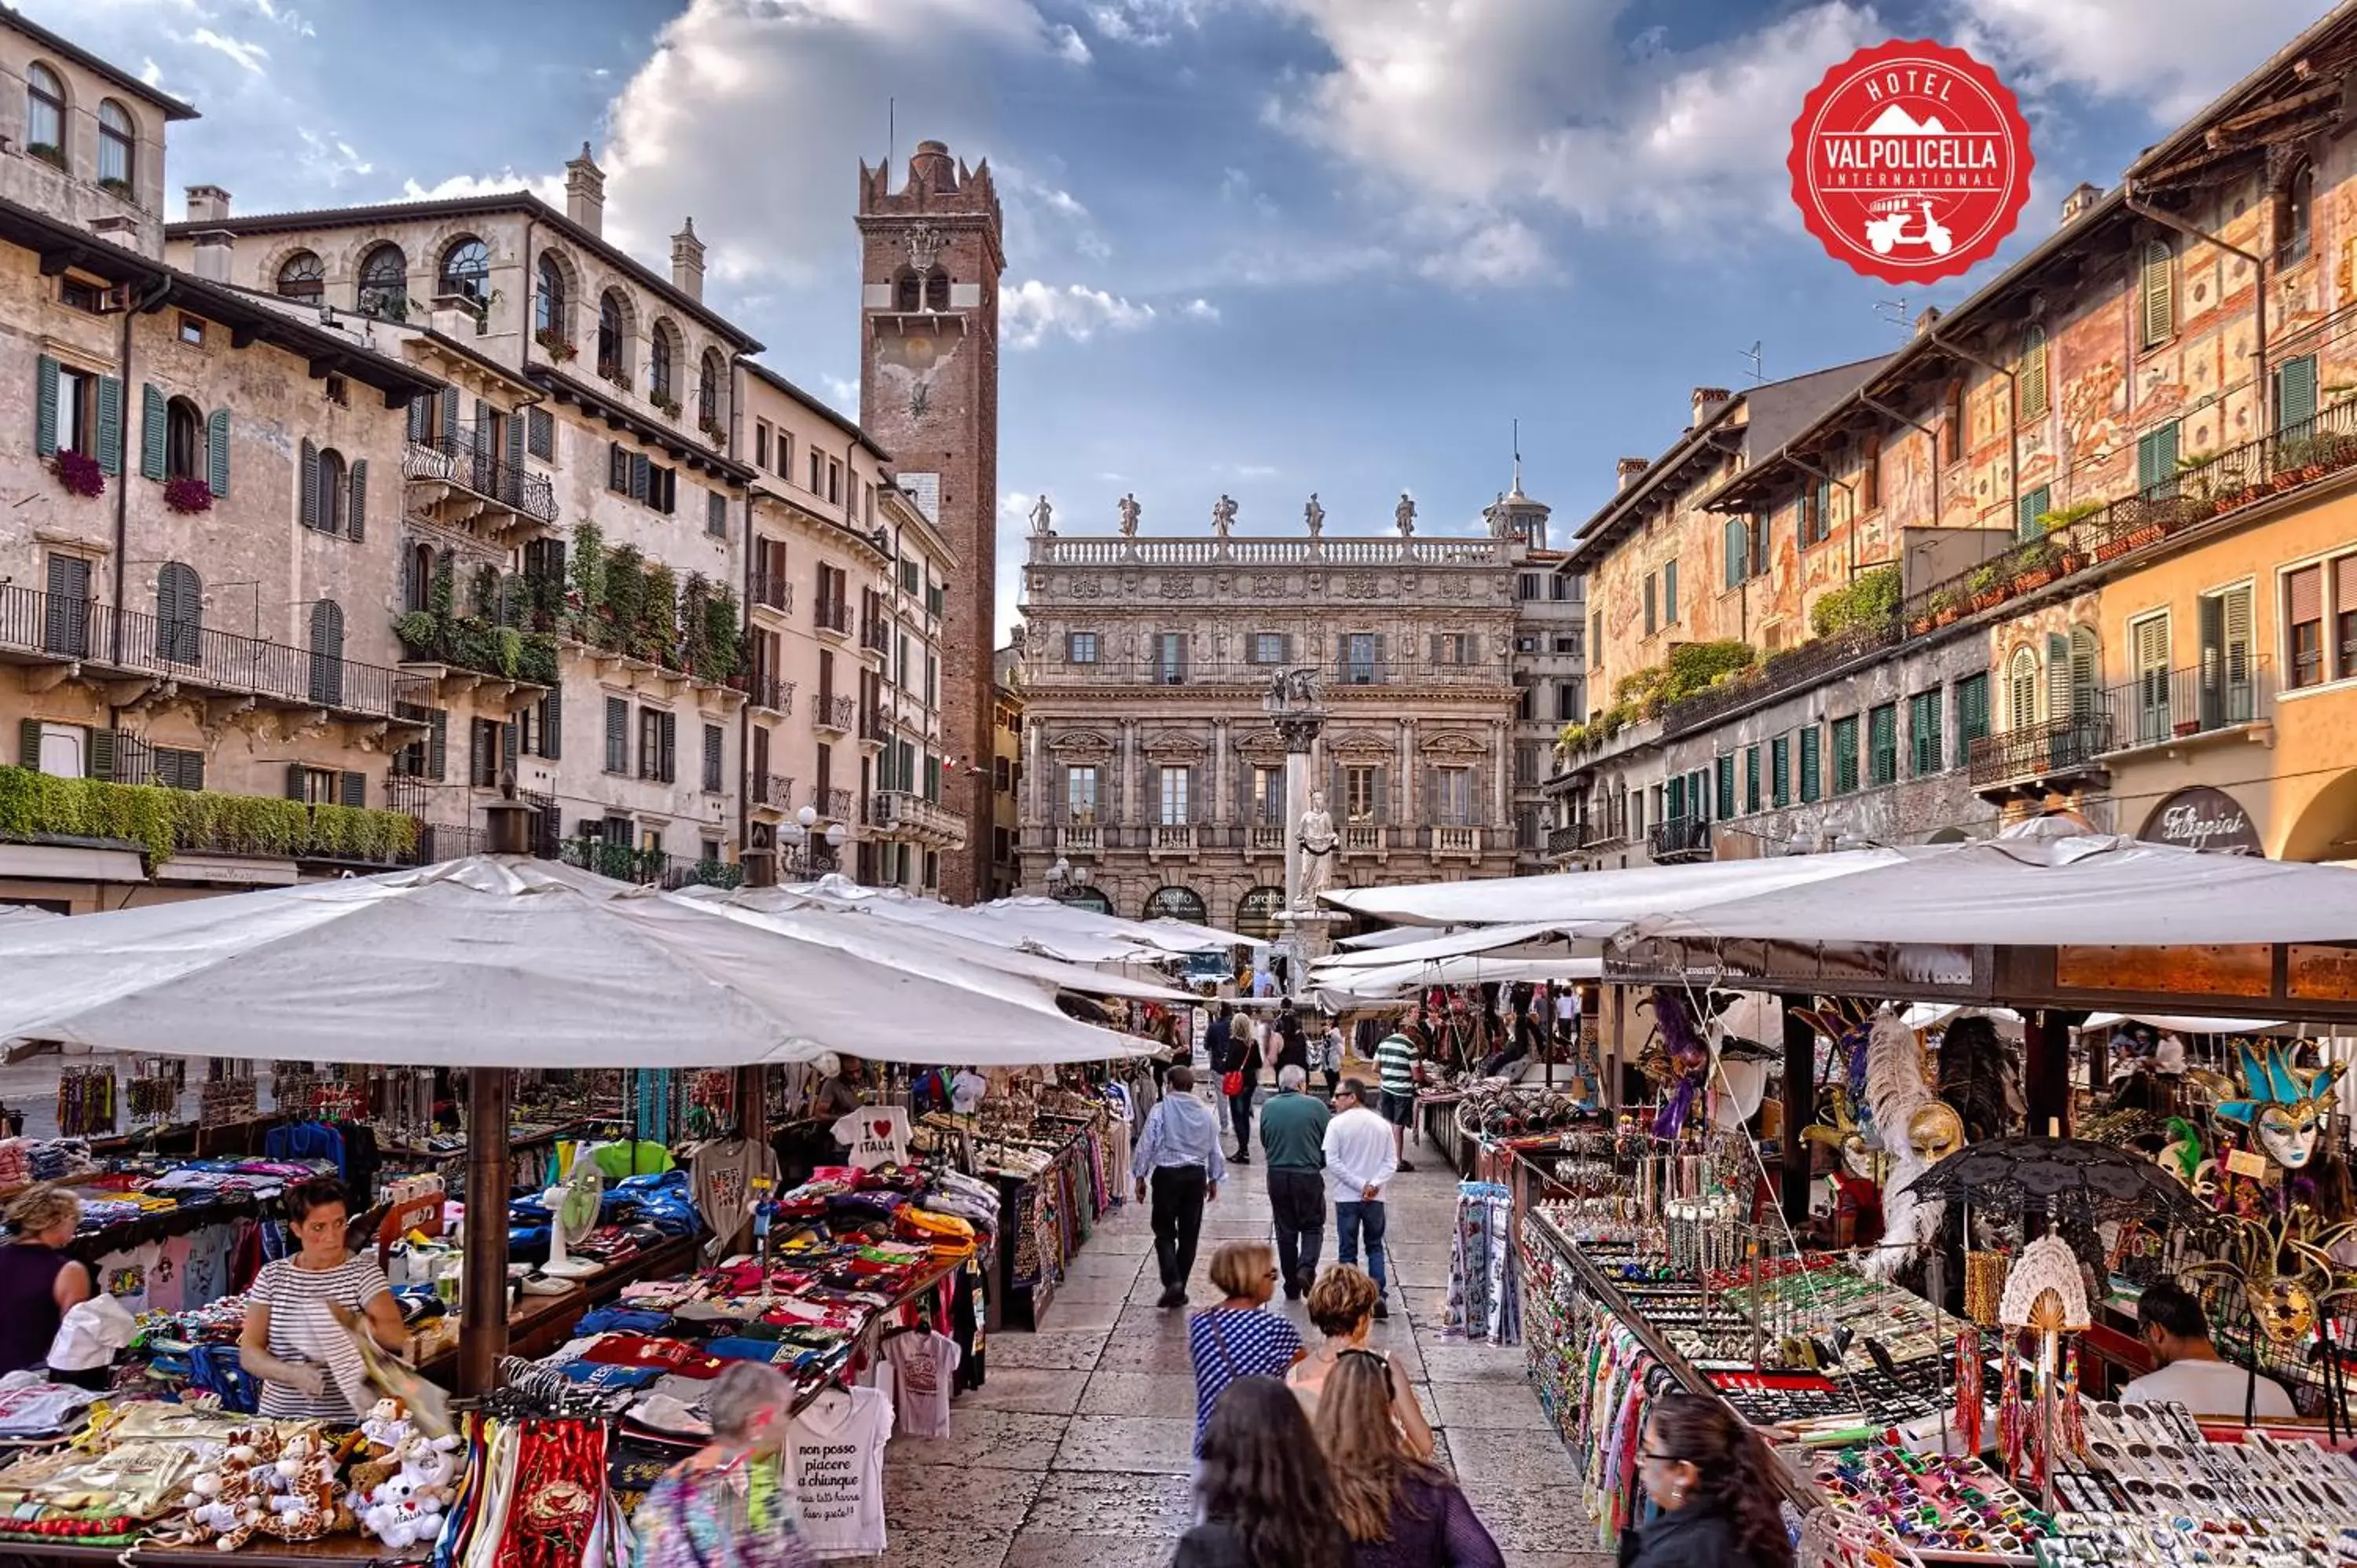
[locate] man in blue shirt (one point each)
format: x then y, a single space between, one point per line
1179 1164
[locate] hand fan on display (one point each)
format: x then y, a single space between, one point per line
427 1406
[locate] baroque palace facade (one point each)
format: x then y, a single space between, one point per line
320 523
2087 541
1151 780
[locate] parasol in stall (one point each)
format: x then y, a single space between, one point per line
2079 1179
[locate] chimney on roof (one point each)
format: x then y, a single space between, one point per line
1629 470
584 192
2080 201
210 204
1708 400
687 261
931 167
1926 321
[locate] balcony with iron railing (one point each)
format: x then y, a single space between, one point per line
1679 839
832 803
45 629
768 694
873 731
2031 757
2214 490
1563 839
772 590
649 867
771 792
876 634
836 716
458 479
2170 707
902 813
832 617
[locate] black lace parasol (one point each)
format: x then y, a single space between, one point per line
2072 1177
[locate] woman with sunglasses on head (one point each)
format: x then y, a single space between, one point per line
1266 1493
1239 1338
1342 1306
1399 1509
1710 1475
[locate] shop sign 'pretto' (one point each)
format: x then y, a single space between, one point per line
1910 162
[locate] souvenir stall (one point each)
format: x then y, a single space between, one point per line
496 963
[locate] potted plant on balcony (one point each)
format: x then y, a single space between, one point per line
79 474
2034 565
556 344
615 376
116 185
48 153
1987 587
664 403
1947 605
713 431
187 495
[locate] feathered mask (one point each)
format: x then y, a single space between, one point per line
2281 1106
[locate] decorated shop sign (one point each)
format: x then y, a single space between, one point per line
2203 818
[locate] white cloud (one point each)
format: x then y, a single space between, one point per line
1494 251
292 21
2173 56
841 390
1150 22
1032 312
253 57
549 187
1069 44
1200 310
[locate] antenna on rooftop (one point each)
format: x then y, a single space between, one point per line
1752 354
1893 313
1518 456
891 136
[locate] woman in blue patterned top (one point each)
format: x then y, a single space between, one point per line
723 1505
1237 1338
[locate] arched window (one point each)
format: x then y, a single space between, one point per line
179 613
1084 897
385 283
184 441
417 579
707 390
550 311
331 504
2296 219
327 652
2021 690
1176 904
301 276
2029 380
118 143
661 352
45 113
907 294
1257 910
466 272
937 291
612 325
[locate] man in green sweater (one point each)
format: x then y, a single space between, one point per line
1293 1139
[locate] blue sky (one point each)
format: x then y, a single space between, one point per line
1255 246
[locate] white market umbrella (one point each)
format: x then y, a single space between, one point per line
2043 884
500 960
1600 903
1472 969
857 929
1517 941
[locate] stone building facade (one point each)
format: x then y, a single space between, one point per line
1150 767
196 561
932 253
1007 769
1549 662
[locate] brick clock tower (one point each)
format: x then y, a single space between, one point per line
931 256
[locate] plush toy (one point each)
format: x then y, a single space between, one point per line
386 1426
404 1518
226 1504
310 1509
406 1507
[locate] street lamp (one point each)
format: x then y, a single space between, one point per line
1059 878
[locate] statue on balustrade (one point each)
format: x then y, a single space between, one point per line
1129 514
1404 515
1043 519
1223 516
1315 516
1320 846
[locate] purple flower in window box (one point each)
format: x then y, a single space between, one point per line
188 495
79 472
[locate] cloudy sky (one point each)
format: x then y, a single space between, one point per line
1257 246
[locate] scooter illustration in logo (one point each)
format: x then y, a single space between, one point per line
1889 230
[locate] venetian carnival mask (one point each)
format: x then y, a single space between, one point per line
2282 1106
1837 1126
1936 1131
2284 1267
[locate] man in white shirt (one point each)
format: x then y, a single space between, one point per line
2192 1374
1360 1164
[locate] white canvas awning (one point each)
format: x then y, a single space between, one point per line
1517 941
2040 885
1395 980
2180 1024
507 961
1600 903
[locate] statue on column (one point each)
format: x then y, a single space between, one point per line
1320 845
1129 512
1404 515
1223 516
1043 518
1314 516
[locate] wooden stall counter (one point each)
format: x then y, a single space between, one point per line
540 1323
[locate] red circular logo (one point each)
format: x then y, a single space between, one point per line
1911 161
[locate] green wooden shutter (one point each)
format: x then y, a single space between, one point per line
110 425
641 476
308 482
99 753
1751 778
28 743
351 789
1676 799
1780 770
712 757
216 454
2157 461
1810 772
552 724
450 400
421 419
668 769
1670 592
2034 504
356 514
296 777
510 745
515 449
2057 676
45 406
2160 293
154 425
1726 787
438 743
2296 395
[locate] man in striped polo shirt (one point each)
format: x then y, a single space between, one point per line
1395 1079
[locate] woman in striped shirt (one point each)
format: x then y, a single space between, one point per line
291 1340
